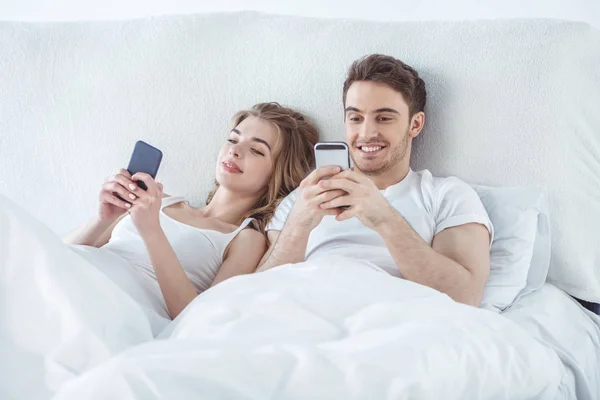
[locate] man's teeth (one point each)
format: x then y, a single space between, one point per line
371 149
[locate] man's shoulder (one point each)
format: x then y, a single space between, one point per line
442 184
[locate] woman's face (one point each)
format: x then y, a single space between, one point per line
246 160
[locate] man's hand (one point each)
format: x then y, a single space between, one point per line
362 197
307 212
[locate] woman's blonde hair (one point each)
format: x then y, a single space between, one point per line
295 159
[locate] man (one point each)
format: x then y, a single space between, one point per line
429 230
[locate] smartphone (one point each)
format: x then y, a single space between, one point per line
332 153
145 158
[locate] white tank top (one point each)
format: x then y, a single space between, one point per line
199 251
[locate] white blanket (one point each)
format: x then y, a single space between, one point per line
332 328
59 316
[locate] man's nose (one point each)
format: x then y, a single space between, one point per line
368 130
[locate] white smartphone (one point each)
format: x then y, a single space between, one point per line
332 153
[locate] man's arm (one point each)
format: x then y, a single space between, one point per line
457 263
286 247
289 245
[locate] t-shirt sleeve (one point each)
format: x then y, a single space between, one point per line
282 212
457 204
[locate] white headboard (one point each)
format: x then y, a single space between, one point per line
510 103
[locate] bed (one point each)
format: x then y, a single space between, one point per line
557 320
506 112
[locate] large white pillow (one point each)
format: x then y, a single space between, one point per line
520 252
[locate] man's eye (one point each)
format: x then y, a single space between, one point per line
257 152
354 119
385 119
232 141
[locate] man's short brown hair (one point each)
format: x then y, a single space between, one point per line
392 72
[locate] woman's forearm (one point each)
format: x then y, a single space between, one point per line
176 287
88 233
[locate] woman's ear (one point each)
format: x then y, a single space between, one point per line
416 124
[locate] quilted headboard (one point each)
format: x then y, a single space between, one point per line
510 103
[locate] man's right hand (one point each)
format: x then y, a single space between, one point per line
307 212
111 207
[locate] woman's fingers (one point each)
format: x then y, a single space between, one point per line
114 200
116 188
126 182
150 183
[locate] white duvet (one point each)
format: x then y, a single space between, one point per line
332 329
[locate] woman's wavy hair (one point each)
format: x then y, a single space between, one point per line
293 162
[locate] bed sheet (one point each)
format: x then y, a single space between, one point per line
557 320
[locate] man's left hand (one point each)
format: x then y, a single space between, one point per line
363 198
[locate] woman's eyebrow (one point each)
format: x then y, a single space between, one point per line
255 139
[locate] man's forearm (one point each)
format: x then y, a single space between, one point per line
290 247
419 263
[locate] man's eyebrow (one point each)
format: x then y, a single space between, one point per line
379 110
255 139
391 110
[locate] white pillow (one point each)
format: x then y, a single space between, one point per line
520 252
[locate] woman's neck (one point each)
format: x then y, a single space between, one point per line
228 206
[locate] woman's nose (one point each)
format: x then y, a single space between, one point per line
235 151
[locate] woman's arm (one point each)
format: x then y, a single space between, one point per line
176 287
243 255
111 210
95 232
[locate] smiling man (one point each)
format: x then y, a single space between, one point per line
433 231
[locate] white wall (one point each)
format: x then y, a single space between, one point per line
578 10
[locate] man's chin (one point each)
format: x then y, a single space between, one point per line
370 168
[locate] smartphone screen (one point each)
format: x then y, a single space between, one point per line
332 153
145 158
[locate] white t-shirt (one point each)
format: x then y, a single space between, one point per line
428 204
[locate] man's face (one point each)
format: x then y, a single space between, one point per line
378 127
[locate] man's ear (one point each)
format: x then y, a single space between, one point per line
416 124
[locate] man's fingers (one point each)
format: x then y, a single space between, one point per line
329 196
345 214
338 183
351 176
321 173
340 201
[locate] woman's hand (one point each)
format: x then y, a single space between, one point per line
146 209
112 207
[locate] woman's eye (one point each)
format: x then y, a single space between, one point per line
257 152
232 141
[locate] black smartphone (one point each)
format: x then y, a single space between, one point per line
145 158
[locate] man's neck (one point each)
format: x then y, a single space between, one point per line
389 177
228 206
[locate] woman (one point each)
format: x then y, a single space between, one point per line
60 316
163 252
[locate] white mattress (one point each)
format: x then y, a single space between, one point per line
557 320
